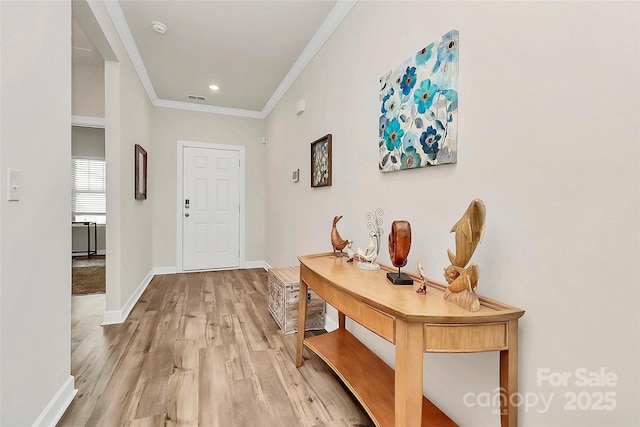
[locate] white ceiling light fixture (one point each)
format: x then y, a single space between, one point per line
159 27
214 87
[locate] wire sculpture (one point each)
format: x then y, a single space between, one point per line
375 224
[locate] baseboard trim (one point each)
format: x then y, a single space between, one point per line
114 317
254 264
330 324
55 409
165 270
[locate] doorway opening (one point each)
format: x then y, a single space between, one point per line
88 211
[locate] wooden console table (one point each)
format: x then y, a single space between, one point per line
415 324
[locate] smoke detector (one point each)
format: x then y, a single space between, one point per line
159 27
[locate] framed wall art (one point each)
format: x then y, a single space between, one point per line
321 162
418 125
140 173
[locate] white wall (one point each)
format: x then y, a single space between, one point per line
35 242
128 121
87 142
88 90
169 126
548 138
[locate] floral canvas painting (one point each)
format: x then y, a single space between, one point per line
419 108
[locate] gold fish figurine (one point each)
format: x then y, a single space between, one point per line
469 230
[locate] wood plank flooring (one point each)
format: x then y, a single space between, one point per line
199 349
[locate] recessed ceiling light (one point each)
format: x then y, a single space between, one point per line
214 87
159 27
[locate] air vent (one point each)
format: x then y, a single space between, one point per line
196 97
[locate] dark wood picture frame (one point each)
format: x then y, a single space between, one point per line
321 162
141 173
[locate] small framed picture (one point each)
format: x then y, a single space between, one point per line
321 162
141 173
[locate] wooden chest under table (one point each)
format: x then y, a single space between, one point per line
415 324
283 300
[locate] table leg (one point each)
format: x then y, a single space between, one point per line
341 320
408 387
95 238
509 378
88 240
302 317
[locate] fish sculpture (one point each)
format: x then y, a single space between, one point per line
337 241
469 230
462 279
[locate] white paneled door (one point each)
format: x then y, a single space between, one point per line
211 209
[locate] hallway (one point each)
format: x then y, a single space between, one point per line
199 349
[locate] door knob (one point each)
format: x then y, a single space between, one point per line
187 214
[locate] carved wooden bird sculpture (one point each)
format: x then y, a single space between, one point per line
337 241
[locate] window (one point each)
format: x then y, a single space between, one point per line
89 190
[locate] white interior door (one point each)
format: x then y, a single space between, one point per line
211 209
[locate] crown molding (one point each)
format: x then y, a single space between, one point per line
332 21
208 108
88 122
120 22
329 25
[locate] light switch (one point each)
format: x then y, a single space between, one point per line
14 184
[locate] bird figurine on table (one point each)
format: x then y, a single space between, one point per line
369 255
337 241
350 253
422 289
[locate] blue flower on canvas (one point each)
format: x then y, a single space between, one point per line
393 134
429 141
384 99
448 47
391 106
443 80
408 80
423 96
411 139
382 126
410 159
423 56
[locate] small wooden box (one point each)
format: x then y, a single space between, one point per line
284 284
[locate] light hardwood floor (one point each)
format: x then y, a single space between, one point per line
199 349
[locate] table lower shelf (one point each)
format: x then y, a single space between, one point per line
370 379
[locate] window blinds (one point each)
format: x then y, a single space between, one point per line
88 197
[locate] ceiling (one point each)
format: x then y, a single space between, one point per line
252 50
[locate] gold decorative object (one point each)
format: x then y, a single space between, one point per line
337 241
463 280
